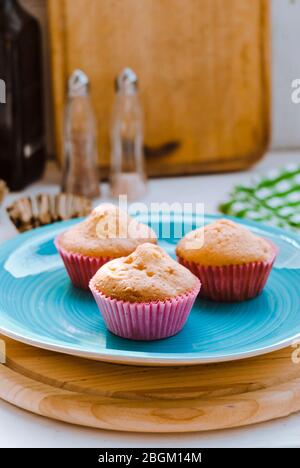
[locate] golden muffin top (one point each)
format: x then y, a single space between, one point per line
106 232
148 274
223 242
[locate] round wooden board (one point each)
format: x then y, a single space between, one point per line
147 399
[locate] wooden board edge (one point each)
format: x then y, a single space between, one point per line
58 47
266 73
166 416
203 167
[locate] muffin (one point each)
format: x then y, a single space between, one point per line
231 262
107 233
146 295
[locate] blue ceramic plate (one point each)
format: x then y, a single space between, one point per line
39 306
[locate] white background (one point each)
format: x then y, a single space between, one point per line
285 68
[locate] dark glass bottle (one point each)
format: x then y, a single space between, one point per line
22 143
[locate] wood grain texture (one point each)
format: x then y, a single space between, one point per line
203 67
147 399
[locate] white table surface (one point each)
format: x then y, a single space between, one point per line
22 429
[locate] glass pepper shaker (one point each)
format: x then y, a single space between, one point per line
80 151
127 170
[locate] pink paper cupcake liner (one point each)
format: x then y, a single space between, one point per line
80 268
231 283
145 321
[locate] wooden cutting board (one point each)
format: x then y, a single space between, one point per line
203 68
147 399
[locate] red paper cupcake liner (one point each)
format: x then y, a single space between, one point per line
80 268
231 283
145 321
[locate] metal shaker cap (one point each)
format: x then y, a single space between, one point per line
78 84
126 82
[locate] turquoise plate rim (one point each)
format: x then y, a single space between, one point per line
139 357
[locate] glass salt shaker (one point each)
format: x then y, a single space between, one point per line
127 172
80 148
